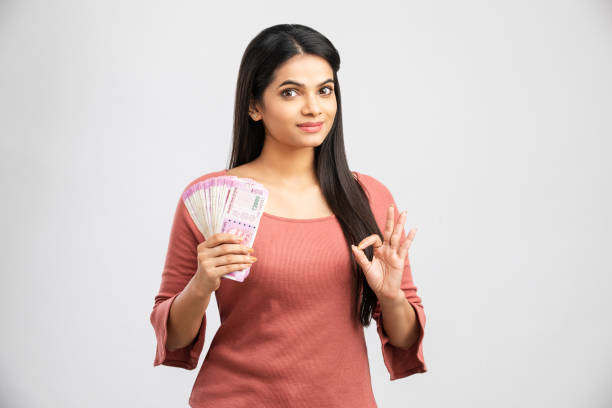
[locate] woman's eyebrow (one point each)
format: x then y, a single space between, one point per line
290 82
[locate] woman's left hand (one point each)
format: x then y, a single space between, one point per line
384 272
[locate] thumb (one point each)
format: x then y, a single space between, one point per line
361 257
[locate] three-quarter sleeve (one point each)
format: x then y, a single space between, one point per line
400 362
180 266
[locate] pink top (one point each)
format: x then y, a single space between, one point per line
286 336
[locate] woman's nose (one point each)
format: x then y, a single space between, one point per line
312 104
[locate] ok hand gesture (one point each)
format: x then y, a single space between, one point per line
384 272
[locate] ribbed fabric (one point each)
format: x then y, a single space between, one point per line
286 338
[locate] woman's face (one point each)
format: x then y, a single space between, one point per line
301 91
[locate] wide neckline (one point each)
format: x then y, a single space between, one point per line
286 219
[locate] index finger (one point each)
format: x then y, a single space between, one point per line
222 238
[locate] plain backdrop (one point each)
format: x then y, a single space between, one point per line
490 122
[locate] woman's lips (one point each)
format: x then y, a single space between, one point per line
311 126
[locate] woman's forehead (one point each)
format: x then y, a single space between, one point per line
307 70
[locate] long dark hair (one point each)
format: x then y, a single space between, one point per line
344 194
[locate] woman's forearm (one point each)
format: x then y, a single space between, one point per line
185 316
400 322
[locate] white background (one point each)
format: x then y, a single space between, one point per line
490 122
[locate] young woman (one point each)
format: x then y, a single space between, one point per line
331 253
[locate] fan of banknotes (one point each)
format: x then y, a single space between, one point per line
227 204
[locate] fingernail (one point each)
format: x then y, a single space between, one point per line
252 258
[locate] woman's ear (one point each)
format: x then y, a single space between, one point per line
254 112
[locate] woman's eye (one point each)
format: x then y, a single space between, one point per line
330 89
285 91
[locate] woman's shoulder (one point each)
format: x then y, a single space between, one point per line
201 178
373 185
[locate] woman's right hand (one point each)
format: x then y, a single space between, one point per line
220 254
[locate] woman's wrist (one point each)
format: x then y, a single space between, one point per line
396 300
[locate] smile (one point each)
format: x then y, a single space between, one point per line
311 128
